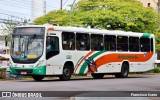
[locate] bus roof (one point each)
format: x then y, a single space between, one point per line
92 30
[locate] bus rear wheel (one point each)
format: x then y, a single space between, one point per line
97 76
67 72
124 71
37 77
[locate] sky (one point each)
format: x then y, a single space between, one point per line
21 9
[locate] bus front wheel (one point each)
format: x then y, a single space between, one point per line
124 71
66 73
37 77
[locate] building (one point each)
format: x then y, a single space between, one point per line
38 8
150 3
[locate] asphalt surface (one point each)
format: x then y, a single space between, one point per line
87 88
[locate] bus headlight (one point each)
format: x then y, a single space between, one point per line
39 63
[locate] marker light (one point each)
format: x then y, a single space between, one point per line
50 29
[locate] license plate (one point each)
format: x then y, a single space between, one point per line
23 73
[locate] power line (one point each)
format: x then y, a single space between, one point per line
29 4
25 6
65 2
11 21
15 12
38 4
155 1
19 6
13 16
21 2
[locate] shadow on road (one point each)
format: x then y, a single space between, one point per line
55 79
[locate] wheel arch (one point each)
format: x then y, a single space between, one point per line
127 63
71 64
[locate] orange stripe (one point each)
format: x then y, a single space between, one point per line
83 60
114 58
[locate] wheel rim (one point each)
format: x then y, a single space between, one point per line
125 71
66 72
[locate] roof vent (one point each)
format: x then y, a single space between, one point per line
55 24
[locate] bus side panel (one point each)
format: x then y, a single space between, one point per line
113 67
142 66
57 62
80 62
54 65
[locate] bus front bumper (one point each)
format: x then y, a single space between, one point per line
28 71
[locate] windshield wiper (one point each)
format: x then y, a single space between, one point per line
33 37
30 40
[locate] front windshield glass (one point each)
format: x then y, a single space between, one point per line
27 47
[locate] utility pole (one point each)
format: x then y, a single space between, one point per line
158 4
71 12
61 4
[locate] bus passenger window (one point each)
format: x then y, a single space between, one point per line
145 44
134 44
97 42
82 41
68 41
122 43
151 44
110 42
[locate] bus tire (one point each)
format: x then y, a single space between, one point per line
97 76
37 77
67 72
124 71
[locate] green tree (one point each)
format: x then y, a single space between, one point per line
7 28
60 17
8 25
157 36
128 15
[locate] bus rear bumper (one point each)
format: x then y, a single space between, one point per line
28 71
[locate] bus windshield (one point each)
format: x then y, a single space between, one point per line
27 44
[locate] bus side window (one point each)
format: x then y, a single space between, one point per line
145 44
110 42
134 44
151 44
97 42
122 43
68 41
82 41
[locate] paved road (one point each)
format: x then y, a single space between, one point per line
109 83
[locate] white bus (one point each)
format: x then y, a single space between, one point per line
48 50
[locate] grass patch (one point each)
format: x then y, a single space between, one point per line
156 70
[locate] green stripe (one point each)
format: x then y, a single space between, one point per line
84 65
39 70
146 35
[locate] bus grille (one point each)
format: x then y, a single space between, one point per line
28 71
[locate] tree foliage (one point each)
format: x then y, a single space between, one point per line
7 28
128 15
8 25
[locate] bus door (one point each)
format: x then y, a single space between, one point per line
52 49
